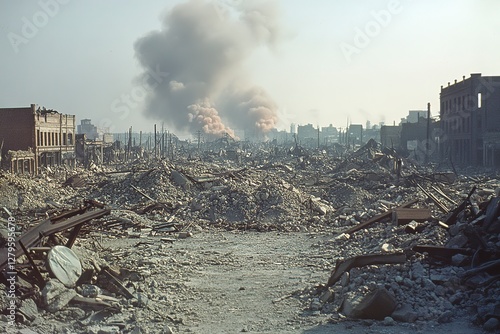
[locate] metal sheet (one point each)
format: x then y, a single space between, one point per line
64 265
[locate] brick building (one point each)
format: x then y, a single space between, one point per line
470 121
46 134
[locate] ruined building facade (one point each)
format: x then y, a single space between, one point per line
34 137
470 121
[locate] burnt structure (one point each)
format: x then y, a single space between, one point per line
46 136
470 121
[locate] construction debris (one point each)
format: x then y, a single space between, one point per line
394 242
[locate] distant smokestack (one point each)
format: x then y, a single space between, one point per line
202 48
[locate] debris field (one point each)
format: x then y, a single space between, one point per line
173 246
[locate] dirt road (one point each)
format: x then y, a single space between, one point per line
223 282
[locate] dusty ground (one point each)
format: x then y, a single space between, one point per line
225 282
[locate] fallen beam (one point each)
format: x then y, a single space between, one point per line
436 201
452 219
403 216
361 261
385 215
441 251
49 227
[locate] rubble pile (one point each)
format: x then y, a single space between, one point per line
406 243
450 265
24 194
210 194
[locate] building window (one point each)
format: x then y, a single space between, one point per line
70 139
38 138
64 139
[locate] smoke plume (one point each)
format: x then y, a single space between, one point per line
202 46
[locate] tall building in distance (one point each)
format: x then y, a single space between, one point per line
88 129
470 120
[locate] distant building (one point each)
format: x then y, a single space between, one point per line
107 138
390 136
414 116
470 121
329 134
48 134
355 134
307 134
88 129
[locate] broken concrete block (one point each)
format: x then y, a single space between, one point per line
417 270
458 241
491 325
402 216
180 180
89 290
316 305
414 227
56 296
29 309
387 248
405 313
377 305
389 321
445 317
327 296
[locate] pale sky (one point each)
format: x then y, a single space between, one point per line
336 60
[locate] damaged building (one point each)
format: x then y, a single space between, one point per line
470 115
33 136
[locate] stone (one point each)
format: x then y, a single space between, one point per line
89 290
327 296
458 259
316 305
29 309
180 180
491 325
377 305
405 313
458 241
388 321
56 296
445 317
387 248
417 270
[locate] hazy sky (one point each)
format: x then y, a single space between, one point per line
363 60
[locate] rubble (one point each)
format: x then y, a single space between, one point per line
408 246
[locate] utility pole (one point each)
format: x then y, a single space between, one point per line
199 139
162 145
155 144
318 136
129 142
427 144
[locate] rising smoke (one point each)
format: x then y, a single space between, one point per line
203 46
